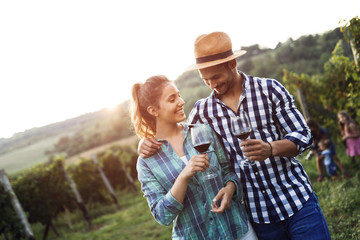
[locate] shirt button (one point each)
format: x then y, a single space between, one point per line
263 191
256 173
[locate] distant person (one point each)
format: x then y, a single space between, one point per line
326 156
319 133
277 192
350 132
171 178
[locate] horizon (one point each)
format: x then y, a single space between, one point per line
57 68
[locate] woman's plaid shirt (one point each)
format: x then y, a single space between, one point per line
279 186
192 219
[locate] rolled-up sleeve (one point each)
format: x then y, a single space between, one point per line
290 118
164 207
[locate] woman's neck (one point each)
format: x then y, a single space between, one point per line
167 131
173 133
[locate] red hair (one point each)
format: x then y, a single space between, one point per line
145 95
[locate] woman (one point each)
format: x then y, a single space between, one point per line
171 179
350 133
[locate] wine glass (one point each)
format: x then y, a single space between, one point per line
200 139
241 128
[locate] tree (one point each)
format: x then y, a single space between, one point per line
351 32
337 88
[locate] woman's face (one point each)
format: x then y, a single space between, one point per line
341 118
171 105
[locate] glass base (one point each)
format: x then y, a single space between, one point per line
247 162
207 176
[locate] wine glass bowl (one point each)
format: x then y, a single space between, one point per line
200 139
241 128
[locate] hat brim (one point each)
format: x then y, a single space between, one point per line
199 66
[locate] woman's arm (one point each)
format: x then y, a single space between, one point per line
163 206
195 164
166 205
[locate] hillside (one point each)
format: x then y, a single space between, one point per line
304 55
31 136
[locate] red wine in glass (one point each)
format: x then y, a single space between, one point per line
200 139
241 128
243 135
202 148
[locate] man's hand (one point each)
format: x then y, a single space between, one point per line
147 147
256 149
225 195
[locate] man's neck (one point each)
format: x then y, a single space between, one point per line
231 98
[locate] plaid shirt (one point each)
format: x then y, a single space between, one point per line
192 219
278 187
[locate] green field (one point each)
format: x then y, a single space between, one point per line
28 156
133 221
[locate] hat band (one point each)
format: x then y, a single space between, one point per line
214 57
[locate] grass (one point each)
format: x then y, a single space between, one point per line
133 221
26 157
339 200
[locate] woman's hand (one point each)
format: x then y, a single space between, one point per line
147 147
225 195
196 163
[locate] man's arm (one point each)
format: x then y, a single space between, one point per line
288 116
258 150
285 113
147 147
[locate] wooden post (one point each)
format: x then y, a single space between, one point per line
128 176
16 205
355 53
78 197
303 103
130 179
106 181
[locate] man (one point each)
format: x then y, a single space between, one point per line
278 194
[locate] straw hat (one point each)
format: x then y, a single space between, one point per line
213 49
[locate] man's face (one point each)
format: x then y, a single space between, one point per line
219 78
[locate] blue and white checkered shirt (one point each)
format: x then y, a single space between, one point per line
278 187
